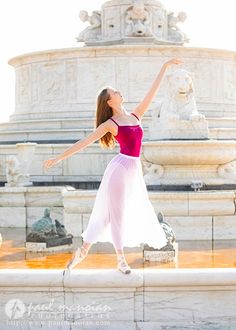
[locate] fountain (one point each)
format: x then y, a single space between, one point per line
179 150
188 159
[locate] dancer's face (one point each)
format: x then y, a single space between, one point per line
115 97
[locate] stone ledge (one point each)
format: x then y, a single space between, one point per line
31 277
201 203
112 278
173 297
19 190
197 277
83 52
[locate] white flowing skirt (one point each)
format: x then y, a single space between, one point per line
122 213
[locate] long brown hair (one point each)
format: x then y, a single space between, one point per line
104 112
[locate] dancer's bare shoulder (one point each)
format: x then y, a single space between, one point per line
111 126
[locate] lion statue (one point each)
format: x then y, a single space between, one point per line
176 115
179 101
152 172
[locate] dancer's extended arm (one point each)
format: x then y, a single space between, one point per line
144 105
81 144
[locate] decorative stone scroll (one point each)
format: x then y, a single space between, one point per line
14 174
93 31
174 32
152 172
17 168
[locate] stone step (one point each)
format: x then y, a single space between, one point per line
55 135
48 124
53 124
214 122
222 133
222 128
88 122
77 128
42 135
78 112
72 134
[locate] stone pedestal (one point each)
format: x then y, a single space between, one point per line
25 156
51 245
161 256
179 129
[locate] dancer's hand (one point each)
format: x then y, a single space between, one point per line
49 163
175 60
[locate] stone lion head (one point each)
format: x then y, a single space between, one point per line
180 84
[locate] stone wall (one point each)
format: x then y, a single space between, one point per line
200 215
63 83
94 299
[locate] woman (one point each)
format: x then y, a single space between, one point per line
122 213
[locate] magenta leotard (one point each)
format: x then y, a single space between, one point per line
129 138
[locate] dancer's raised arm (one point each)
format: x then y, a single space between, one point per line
144 105
101 130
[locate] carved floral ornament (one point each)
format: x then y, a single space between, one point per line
129 21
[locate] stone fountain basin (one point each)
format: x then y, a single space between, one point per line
209 152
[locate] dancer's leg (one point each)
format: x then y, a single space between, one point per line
117 199
87 245
117 196
121 262
79 255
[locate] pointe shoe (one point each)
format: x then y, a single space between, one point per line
79 255
123 266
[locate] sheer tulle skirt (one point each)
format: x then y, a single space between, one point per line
122 213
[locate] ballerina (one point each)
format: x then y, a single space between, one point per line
122 213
